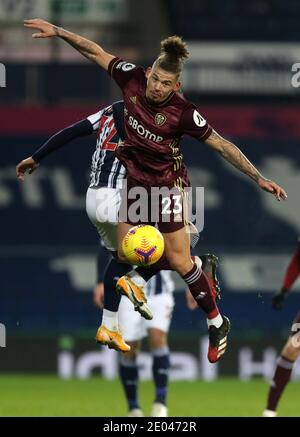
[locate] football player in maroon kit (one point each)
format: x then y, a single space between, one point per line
291 350
156 117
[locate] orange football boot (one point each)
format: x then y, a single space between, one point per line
113 339
135 294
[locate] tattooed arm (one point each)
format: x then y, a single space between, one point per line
233 155
87 48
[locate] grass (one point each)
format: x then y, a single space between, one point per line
49 396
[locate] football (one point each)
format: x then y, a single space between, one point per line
143 245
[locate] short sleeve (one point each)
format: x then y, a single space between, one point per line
94 119
121 71
192 123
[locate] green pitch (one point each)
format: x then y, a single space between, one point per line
49 396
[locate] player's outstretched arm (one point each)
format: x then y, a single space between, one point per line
233 155
58 140
87 48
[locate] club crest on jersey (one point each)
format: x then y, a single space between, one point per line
160 119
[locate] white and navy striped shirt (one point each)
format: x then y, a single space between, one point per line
106 169
160 283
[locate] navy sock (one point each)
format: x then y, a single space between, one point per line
114 271
145 273
129 378
160 369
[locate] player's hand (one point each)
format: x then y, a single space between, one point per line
99 295
278 301
46 30
27 164
272 187
190 301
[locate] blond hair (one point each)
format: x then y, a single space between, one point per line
173 54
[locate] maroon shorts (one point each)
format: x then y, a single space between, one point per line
168 208
297 329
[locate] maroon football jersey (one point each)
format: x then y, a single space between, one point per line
151 152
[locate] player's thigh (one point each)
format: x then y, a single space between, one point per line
102 205
162 306
122 230
177 250
131 324
178 242
291 350
173 209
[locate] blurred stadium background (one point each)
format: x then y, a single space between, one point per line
240 73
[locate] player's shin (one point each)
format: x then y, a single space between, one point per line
112 299
108 333
200 288
280 380
128 369
160 371
218 326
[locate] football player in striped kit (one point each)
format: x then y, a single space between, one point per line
134 328
102 205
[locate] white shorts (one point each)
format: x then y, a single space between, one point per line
134 327
102 207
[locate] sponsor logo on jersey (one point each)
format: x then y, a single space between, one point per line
125 66
141 130
160 119
133 99
198 119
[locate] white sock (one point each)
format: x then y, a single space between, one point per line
216 321
110 320
136 278
269 413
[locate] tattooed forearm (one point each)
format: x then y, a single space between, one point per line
233 155
87 48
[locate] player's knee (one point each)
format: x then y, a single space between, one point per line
175 260
131 356
157 343
292 350
180 264
121 256
157 339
